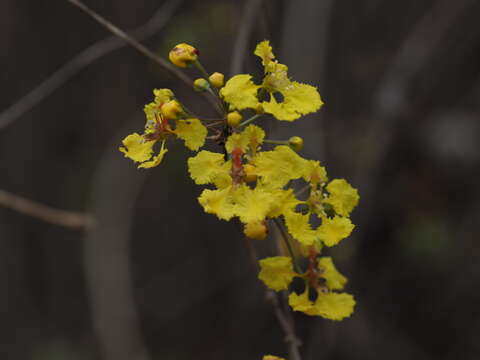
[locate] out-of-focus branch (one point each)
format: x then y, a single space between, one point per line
70 219
82 60
250 12
390 99
106 257
132 42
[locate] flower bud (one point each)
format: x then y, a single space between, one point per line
250 173
259 109
234 118
200 85
217 79
171 109
296 143
183 55
256 230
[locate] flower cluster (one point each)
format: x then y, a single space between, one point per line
253 181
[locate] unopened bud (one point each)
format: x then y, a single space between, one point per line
217 79
234 118
171 109
259 109
200 85
296 143
250 173
255 230
183 55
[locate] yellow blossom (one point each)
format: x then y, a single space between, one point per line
343 197
301 303
171 109
252 204
264 51
240 92
334 306
279 166
335 229
252 136
314 173
277 272
285 202
140 150
334 280
299 227
218 202
206 166
236 141
272 357
183 55
192 132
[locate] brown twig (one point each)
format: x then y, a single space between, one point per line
132 42
70 219
82 60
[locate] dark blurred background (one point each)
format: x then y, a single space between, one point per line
156 278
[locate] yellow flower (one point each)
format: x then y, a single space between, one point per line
299 227
285 202
272 357
298 99
252 136
334 280
171 109
192 132
279 166
218 202
182 55
314 173
152 109
206 167
330 305
343 197
252 204
216 79
277 272
334 306
140 150
240 92
332 231
264 51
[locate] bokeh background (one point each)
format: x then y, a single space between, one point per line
156 278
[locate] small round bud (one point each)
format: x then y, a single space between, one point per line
171 109
250 173
296 143
200 85
259 109
183 55
216 79
234 118
256 230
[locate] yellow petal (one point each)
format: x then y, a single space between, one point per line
298 99
301 303
217 202
332 231
279 166
240 92
314 173
277 272
252 204
206 166
162 95
156 159
299 227
334 280
343 197
137 148
236 141
284 203
334 306
264 51
192 132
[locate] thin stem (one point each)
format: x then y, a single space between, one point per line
70 219
278 142
287 243
248 121
84 58
132 42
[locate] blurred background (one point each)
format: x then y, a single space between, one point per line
155 277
